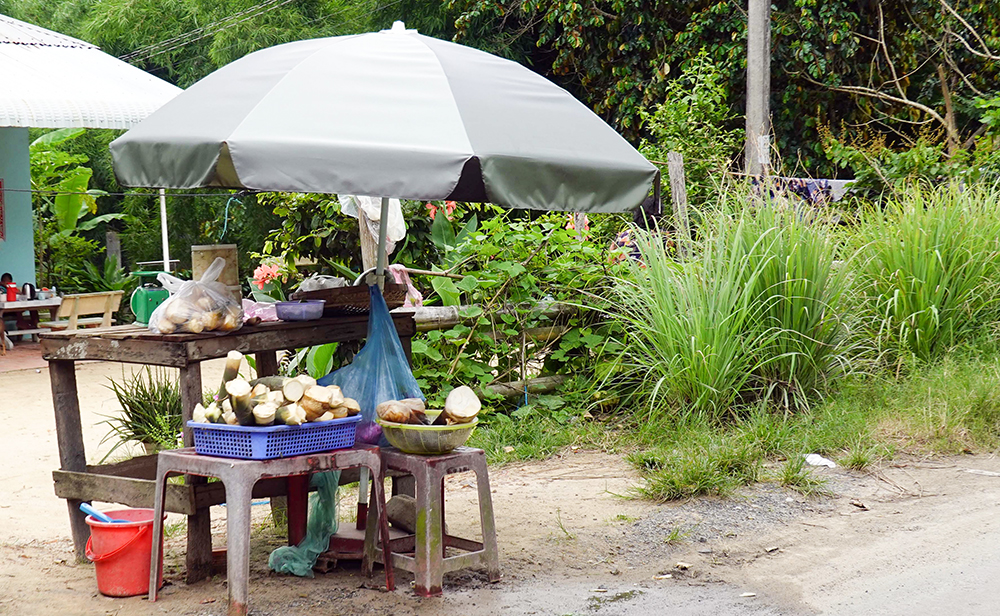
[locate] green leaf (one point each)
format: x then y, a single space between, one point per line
446 289
468 284
319 360
69 208
469 312
467 229
56 137
90 223
422 348
442 234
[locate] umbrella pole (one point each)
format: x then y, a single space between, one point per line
383 223
163 230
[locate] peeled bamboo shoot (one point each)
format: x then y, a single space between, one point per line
315 401
352 406
306 380
231 371
291 415
264 413
291 388
239 396
462 405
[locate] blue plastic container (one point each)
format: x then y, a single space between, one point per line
266 443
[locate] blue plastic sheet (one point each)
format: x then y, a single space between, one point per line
379 371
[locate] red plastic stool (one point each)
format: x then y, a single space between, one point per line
429 562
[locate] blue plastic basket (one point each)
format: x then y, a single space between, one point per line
266 443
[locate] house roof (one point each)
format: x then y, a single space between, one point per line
55 81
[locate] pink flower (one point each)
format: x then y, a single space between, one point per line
431 209
264 274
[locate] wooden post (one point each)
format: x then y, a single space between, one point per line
199 525
69 435
369 242
758 82
114 246
678 196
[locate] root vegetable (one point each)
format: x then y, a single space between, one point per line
198 414
291 415
277 398
352 406
213 413
394 411
230 372
230 418
306 380
415 404
166 326
259 390
462 405
339 412
315 401
291 388
327 416
239 396
336 395
263 414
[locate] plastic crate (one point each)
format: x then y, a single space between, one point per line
266 443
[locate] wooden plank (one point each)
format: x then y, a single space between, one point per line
134 351
323 331
139 467
69 435
123 490
678 197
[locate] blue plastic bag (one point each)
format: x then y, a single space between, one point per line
379 371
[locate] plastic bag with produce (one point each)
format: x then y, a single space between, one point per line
197 306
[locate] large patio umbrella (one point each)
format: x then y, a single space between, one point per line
389 114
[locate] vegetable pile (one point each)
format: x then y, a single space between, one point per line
272 400
461 406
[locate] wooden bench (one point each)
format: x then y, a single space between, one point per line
75 310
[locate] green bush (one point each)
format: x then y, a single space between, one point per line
927 274
753 314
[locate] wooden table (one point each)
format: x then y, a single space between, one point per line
132 482
27 305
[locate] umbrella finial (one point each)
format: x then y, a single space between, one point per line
398 26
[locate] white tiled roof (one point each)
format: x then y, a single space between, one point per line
49 80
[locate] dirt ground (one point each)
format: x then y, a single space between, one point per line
916 537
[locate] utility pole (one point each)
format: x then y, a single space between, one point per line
758 86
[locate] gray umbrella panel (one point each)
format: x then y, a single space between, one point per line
394 114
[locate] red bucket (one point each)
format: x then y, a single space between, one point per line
121 552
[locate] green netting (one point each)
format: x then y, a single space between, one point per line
299 559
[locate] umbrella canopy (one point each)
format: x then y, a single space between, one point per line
54 81
392 114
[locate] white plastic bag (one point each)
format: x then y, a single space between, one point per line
197 306
372 207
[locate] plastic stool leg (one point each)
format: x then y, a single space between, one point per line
157 548
487 521
238 491
429 540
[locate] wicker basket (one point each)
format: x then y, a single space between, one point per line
353 300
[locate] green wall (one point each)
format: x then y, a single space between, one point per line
17 252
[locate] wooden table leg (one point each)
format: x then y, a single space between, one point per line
298 507
267 363
69 434
199 525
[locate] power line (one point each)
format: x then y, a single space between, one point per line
373 11
122 194
204 32
142 51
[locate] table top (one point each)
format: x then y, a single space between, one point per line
136 344
31 304
188 461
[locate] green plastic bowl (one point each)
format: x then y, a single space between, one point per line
426 440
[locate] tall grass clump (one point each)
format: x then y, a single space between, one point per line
928 273
751 314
